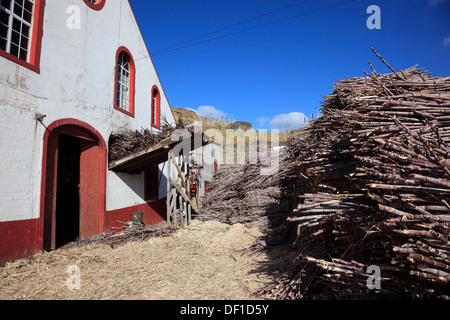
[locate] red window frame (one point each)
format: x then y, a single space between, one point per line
155 108
95 6
130 111
36 40
151 183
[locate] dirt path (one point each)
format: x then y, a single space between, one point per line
195 263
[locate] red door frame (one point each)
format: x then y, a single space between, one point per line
79 129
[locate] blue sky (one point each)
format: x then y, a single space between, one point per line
274 75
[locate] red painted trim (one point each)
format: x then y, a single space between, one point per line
36 40
89 200
154 213
17 239
132 82
96 6
145 44
44 183
157 123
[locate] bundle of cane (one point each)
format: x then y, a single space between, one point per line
374 191
129 142
248 193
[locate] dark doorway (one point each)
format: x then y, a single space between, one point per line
68 190
73 185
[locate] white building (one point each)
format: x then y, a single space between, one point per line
207 161
72 72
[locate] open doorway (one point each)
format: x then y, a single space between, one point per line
68 190
74 184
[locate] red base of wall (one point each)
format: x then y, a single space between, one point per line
18 239
154 213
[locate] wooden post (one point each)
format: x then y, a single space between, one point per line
180 174
168 188
174 205
180 198
189 214
180 210
180 190
171 195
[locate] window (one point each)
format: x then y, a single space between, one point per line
156 108
95 4
123 82
21 31
124 88
151 189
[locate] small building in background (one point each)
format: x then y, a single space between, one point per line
204 163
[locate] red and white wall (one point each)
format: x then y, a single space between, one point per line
72 84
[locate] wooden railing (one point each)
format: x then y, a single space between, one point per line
179 204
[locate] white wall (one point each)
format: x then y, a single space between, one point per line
76 81
211 152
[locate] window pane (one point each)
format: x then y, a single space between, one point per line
125 99
4 18
29 6
27 15
118 99
23 54
25 30
2 44
123 60
15 38
14 50
24 43
16 25
6 3
3 28
18 8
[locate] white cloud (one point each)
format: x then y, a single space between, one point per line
446 41
293 120
262 121
209 111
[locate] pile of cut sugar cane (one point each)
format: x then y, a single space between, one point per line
372 215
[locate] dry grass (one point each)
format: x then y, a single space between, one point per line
199 262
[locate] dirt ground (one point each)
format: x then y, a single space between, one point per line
196 263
